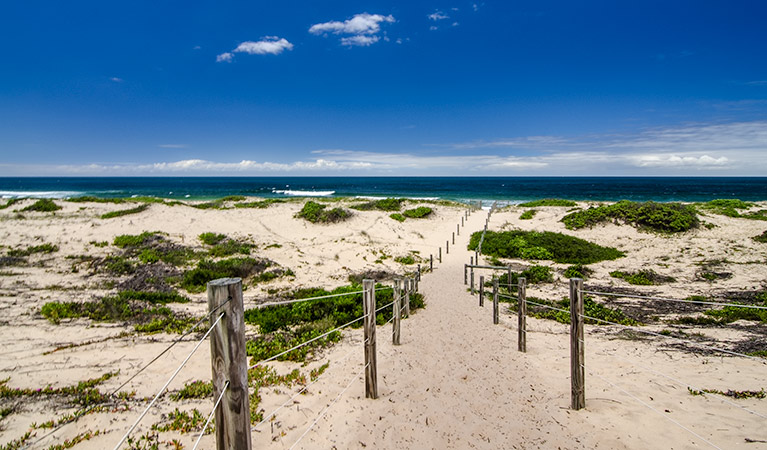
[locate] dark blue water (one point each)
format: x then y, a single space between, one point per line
507 189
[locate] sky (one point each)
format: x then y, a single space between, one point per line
358 88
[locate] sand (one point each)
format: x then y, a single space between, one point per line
456 380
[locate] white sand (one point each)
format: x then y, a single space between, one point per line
457 380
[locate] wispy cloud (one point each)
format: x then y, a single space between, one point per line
116 79
269 45
362 29
438 15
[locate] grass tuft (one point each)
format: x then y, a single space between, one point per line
663 217
317 213
529 214
124 212
645 277
43 205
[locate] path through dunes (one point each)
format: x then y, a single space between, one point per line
457 381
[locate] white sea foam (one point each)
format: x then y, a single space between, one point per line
305 193
38 194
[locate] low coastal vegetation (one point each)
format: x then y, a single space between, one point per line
125 212
196 279
259 204
31 250
548 202
578 271
644 277
733 208
386 204
43 205
544 245
761 238
527 215
591 308
317 213
284 326
222 246
10 203
532 275
661 217
418 213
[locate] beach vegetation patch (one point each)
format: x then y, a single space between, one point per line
283 326
578 271
418 213
386 204
317 213
223 246
645 277
533 275
557 247
726 206
195 280
10 203
31 250
85 393
591 308
259 204
118 265
529 214
729 314
135 240
194 390
398 217
549 202
181 421
761 238
94 199
43 205
125 212
661 217
407 259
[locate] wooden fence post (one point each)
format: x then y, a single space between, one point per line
462 221
440 255
369 323
495 300
577 363
419 272
454 238
431 262
457 231
230 363
397 311
465 274
472 281
406 291
522 313
447 247
481 290
510 283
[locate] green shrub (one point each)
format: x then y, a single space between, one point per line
398 217
93 199
125 212
761 238
128 240
527 215
153 297
418 213
730 314
590 308
233 198
548 202
193 390
43 205
665 217
195 280
645 277
118 265
43 248
407 260
317 213
230 247
726 207
212 238
10 203
386 204
578 271
533 275
262 204
557 247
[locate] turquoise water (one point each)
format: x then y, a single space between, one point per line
505 189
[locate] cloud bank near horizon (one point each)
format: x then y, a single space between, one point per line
736 149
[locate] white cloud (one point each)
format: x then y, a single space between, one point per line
673 160
433 28
362 28
269 45
359 40
224 57
359 24
116 80
438 15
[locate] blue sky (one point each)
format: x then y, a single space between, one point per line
383 88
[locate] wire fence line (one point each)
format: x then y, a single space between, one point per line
210 416
327 408
647 405
680 383
664 299
183 363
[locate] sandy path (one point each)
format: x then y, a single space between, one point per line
456 381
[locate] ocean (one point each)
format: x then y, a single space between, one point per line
463 189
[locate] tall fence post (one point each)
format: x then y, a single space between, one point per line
447 247
465 274
415 284
397 312
406 291
472 281
522 314
462 222
431 262
457 231
508 273
419 272
440 255
481 290
577 363
454 236
495 300
369 323
229 363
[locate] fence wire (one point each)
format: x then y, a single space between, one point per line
665 299
210 416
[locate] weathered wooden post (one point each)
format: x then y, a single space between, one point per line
454 238
577 363
406 291
447 247
457 231
472 281
465 274
522 314
510 283
229 363
462 221
419 272
495 300
476 256
397 312
481 290
431 262
440 255
369 324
